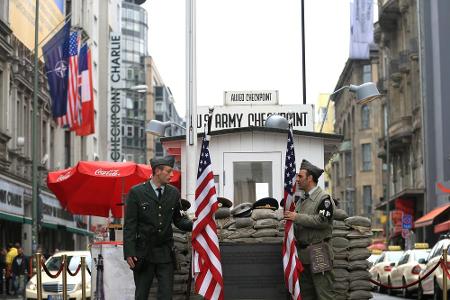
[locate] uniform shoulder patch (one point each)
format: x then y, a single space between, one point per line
325 208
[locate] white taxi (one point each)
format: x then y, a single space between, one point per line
52 288
382 267
432 285
408 268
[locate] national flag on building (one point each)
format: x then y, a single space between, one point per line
56 56
291 264
72 118
86 92
206 260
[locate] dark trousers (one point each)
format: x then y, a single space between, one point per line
144 279
316 286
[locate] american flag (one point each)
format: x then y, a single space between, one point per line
72 117
206 262
291 263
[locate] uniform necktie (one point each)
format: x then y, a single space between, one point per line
159 193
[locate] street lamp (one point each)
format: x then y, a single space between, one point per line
365 93
159 128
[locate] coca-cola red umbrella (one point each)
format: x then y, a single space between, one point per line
98 187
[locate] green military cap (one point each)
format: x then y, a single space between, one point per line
306 165
224 202
266 202
164 161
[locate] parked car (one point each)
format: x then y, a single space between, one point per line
381 269
374 256
432 285
408 268
52 288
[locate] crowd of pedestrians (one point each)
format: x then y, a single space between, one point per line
13 269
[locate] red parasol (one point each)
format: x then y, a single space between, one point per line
96 187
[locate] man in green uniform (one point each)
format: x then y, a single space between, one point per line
148 238
313 219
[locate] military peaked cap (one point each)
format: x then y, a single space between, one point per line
242 210
165 161
312 169
224 202
267 202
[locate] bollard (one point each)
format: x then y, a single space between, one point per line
83 278
444 276
38 276
64 277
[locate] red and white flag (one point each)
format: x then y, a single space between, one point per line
206 261
86 92
72 118
291 264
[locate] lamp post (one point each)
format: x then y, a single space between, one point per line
159 128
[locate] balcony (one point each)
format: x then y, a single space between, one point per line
400 133
389 13
403 62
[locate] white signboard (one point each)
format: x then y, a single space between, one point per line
11 198
115 99
251 98
227 117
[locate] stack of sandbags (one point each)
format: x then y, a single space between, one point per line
240 228
359 240
223 218
339 242
267 223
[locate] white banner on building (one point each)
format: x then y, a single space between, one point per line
11 198
250 97
227 117
361 28
115 98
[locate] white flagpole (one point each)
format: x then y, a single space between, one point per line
191 105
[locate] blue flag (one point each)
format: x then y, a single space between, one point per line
56 55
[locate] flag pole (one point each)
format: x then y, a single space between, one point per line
191 104
35 132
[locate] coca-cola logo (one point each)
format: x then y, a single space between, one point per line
110 173
63 176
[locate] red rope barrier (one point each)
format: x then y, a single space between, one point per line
48 272
76 271
445 269
407 285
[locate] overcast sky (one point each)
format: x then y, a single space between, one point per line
251 45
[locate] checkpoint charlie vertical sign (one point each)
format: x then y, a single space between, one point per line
236 116
115 99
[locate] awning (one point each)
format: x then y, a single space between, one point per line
80 231
429 217
15 218
442 227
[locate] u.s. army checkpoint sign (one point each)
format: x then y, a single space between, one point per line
236 116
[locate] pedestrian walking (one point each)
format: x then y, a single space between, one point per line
313 222
12 252
19 272
151 207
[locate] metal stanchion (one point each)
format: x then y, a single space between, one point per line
83 278
64 277
444 276
38 276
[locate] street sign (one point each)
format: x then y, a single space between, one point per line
406 221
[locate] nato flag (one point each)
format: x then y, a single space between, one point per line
56 55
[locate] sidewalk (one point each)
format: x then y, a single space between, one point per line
4 297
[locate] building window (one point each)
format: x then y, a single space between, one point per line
365 116
367 73
130 131
349 202
367 199
367 157
348 164
252 179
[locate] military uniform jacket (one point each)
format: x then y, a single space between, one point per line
148 223
314 221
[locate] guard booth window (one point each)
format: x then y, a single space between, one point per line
252 181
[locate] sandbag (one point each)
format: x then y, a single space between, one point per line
263 213
242 233
244 222
358 221
339 242
360 295
360 285
358 265
266 223
267 232
340 232
359 243
340 214
358 254
359 275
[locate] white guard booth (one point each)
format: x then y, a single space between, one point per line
248 162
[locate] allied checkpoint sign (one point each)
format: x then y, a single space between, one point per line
236 116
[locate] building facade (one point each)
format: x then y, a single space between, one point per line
356 170
396 34
134 50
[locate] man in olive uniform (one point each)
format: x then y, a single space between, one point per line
313 222
148 238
